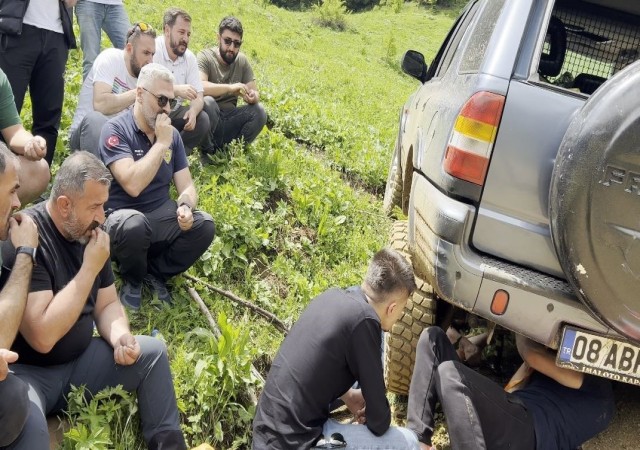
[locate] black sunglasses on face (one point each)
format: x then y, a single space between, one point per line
163 99
229 41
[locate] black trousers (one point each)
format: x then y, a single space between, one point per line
479 413
154 243
36 60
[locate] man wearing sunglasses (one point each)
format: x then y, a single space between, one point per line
172 52
110 87
226 76
337 341
153 237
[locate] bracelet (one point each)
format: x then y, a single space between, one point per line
185 204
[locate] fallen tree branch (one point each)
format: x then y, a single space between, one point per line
216 331
275 321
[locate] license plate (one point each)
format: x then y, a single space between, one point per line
598 355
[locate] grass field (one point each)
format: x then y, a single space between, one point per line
297 212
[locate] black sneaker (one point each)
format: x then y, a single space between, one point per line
131 295
159 287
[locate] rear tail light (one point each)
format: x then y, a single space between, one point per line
473 136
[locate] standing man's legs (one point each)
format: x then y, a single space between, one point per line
116 25
18 56
90 17
47 89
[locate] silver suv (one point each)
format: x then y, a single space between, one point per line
517 163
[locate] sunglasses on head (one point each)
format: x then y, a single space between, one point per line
163 99
229 41
142 26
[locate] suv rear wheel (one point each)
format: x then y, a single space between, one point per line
418 314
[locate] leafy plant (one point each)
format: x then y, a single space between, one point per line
331 14
214 402
108 419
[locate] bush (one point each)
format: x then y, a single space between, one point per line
300 5
331 14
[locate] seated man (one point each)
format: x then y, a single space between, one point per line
31 150
109 87
14 402
336 342
71 289
226 75
172 52
559 409
152 236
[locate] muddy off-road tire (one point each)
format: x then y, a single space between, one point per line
393 190
419 313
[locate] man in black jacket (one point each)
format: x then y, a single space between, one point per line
336 342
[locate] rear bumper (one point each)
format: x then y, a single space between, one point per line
439 233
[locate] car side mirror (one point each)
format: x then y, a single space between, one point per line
413 64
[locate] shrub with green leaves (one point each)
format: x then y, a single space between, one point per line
331 14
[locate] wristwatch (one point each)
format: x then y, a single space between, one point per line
31 251
186 204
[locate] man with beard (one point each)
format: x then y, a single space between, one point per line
153 237
226 75
14 402
109 87
71 288
172 52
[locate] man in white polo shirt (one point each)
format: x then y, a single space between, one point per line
110 87
172 52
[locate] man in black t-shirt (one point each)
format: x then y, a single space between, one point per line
71 288
558 409
336 342
14 402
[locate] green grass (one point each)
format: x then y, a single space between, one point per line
297 212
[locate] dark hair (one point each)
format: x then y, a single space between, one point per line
137 30
75 170
232 24
5 155
172 14
388 272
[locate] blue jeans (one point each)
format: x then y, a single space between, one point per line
358 437
92 19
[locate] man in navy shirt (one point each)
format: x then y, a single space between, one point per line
558 409
153 237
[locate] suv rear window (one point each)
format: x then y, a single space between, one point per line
587 44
